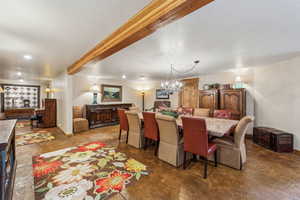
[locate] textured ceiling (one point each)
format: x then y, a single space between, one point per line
223 35
56 33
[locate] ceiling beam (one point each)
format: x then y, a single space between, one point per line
155 15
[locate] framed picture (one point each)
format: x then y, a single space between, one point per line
111 93
162 94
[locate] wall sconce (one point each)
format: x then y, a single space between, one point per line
48 91
95 90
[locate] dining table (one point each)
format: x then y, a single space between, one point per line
216 127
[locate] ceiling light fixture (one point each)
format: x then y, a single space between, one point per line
124 76
27 57
142 77
19 73
21 80
172 84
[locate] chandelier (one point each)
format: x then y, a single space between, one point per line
173 84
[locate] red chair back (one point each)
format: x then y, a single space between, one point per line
123 120
186 110
195 136
150 126
222 114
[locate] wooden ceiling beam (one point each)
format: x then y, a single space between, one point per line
155 15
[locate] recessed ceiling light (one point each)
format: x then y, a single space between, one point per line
19 73
21 80
27 57
142 77
124 76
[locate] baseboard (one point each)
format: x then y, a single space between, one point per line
67 134
297 152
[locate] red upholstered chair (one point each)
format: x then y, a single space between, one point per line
185 110
151 130
123 123
195 138
222 114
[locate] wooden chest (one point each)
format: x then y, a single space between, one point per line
274 139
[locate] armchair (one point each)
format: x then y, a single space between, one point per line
79 122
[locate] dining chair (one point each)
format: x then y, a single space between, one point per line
123 123
171 143
186 110
232 150
196 141
201 112
151 132
135 109
135 133
2 116
222 114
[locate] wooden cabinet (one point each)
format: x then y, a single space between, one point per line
49 116
209 99
189 94
104 114
235 101
8 163
225 99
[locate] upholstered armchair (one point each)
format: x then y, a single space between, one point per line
79 122
135 134
232 150
2 116
201 112
171 144
135 109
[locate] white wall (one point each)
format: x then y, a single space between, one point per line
63 85
82 95
277 97
150 97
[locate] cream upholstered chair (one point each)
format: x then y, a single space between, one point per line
201 112
134 109
232 150
171 144
79 122
135 134
2 116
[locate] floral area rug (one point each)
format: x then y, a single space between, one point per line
91 171
33 137
22 124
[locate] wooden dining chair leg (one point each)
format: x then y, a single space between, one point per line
241 164
205 168
156 148
216 158
146 142
127 137
184 160
120 134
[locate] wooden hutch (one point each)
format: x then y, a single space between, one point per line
224 99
